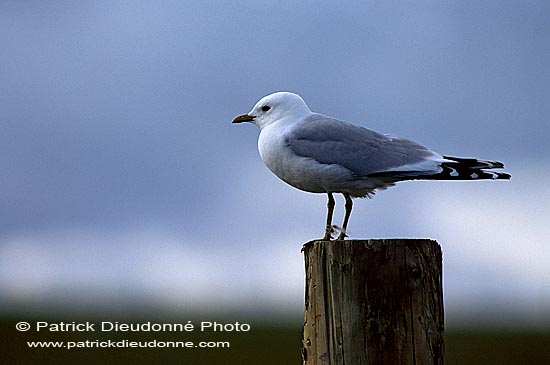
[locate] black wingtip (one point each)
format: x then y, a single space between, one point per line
474 163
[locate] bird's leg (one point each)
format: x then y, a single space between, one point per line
330 207
349 205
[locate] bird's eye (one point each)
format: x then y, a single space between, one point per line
265 108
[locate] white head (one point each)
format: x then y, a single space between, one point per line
274 107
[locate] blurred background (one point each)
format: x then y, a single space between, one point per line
125 190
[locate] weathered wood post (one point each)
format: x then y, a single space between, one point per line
373 302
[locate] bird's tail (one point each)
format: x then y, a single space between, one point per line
452 168
455 168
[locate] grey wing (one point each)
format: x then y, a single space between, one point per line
361 150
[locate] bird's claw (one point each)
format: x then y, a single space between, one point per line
329 231
332 229
342 236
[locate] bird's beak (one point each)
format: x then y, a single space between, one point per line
243 118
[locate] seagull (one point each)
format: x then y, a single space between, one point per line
321 154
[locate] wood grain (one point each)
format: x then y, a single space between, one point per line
373 302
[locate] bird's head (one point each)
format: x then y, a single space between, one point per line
274 107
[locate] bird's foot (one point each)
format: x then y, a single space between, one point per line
329 231
327 237
342 236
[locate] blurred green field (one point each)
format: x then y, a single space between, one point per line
264 344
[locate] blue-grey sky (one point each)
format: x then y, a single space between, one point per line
122 177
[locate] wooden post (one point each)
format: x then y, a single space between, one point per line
373 302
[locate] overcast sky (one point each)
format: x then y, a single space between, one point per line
123 179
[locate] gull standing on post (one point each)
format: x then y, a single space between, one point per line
321 154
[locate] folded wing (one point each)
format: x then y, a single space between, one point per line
361 150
